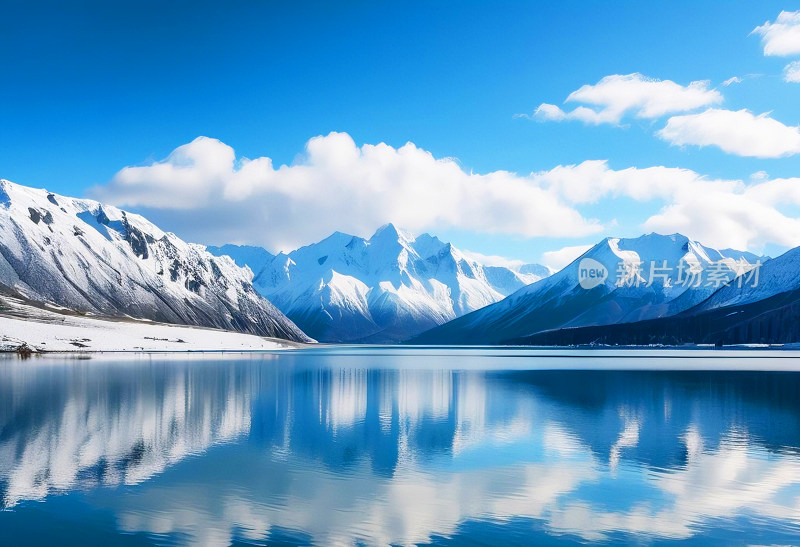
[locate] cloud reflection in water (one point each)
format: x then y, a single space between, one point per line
245 448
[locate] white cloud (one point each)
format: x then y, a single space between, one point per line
730 221
185 180
733 214
336 185
203 192
718 212
733 80
792 72
564 256
592 180
549 112
735 132
493 260
633 94
781 38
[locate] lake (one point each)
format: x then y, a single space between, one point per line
377 446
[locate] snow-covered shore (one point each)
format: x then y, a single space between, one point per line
48 331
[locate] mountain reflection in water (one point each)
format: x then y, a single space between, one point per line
344 448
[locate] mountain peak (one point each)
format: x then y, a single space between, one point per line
676 237
336 239
652 238
639 279
654 244
391 232
387 288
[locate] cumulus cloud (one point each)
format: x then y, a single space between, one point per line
792 72
335 185
731 213
731 81
564 256
493 260
718 212
781 37
731 220
617 95
593 180
735 132
203 191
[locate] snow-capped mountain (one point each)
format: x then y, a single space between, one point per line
81 255
616 281
245 256
760 307
382 289
778 275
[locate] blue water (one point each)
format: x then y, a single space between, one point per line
378 446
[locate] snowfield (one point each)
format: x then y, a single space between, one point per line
53 331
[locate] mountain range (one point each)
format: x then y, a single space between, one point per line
80 256
383 289
761 310
649 277
63 252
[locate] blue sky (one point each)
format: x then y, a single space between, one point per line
90 88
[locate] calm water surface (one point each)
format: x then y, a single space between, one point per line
384 446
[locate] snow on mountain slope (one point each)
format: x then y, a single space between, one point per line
382 289
778 275
245 256
646 277
95 258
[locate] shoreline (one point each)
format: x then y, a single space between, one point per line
280 345
30 330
